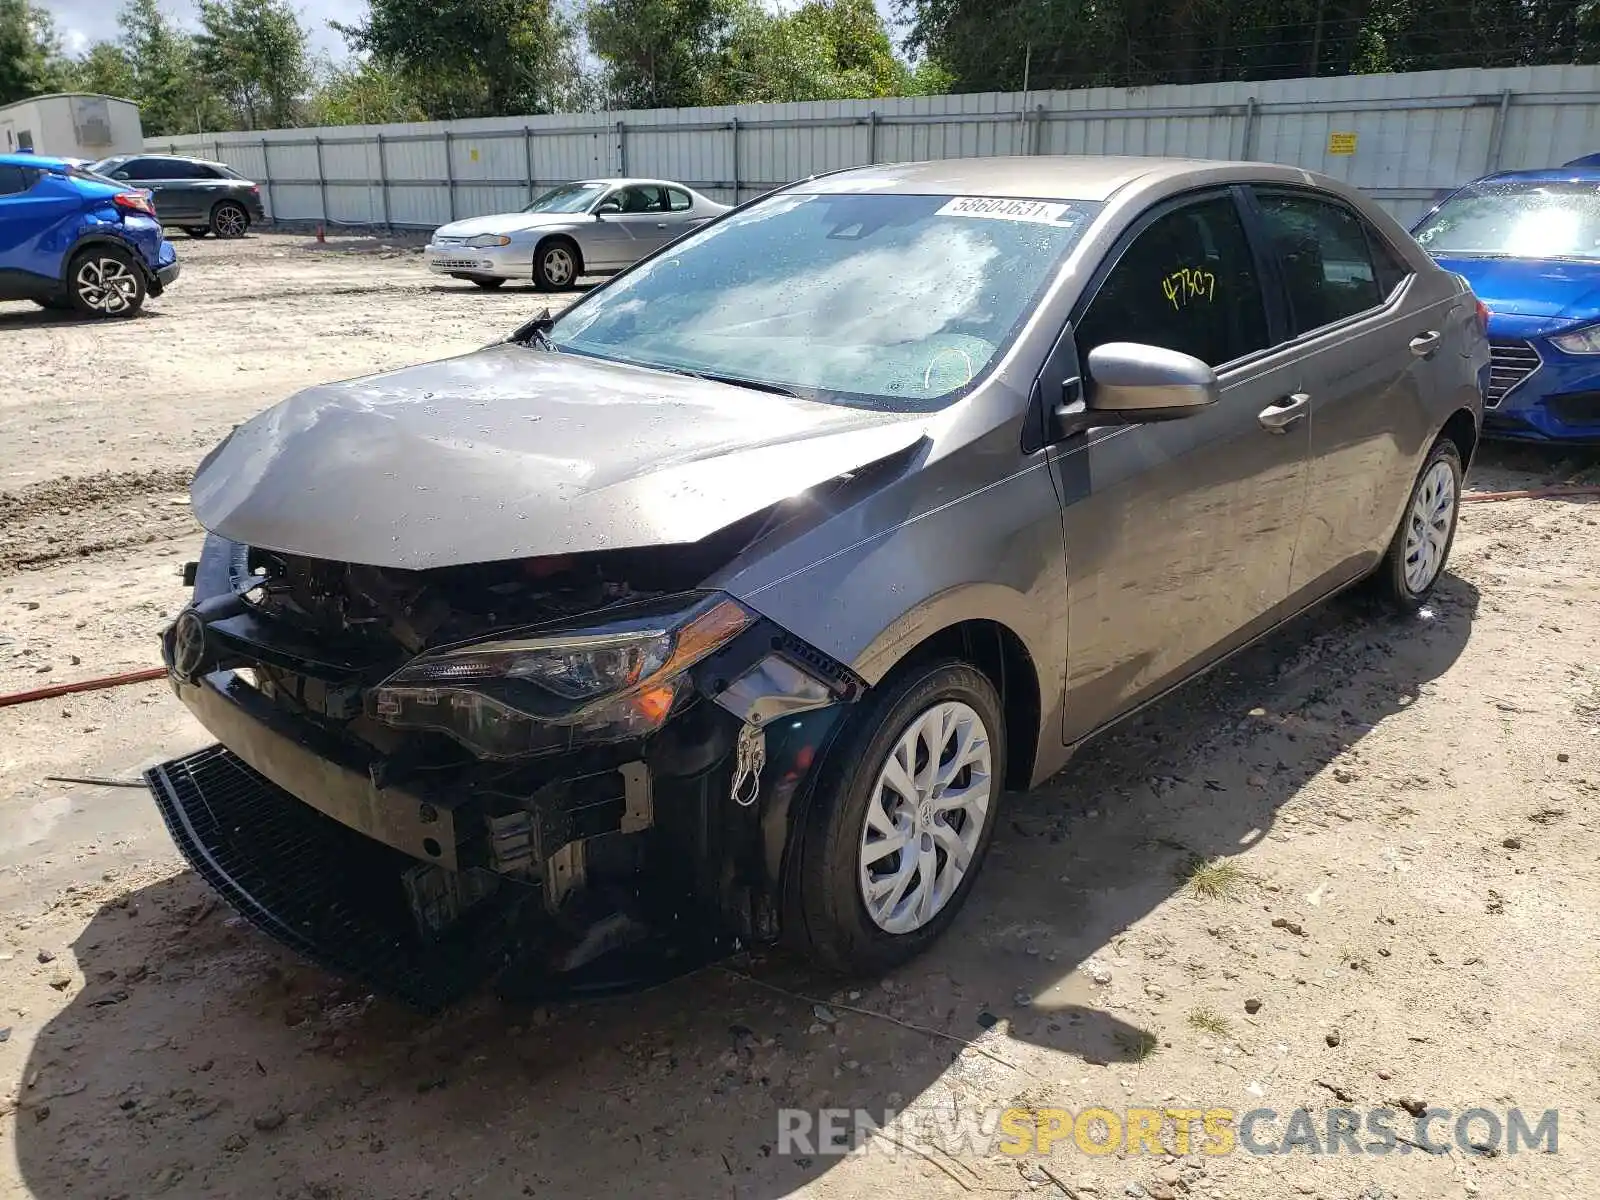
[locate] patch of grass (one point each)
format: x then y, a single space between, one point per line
1138 1045
1209 1020
1214 878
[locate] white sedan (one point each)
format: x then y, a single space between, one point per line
592 227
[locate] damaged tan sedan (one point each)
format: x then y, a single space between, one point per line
721 609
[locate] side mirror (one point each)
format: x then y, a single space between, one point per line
1136 382
607 206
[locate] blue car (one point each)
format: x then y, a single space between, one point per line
1529 244
71 239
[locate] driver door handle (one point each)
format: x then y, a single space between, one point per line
1277 418
1424 344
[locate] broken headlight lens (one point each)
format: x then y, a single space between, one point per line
548 690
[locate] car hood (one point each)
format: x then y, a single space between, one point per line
1549 291
511 452
508 223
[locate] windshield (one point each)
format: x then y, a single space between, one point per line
1517 220
893 302
568 198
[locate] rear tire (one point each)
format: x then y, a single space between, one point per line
880 874
489 284
229 220
104 281
197 231
556 265
1421 547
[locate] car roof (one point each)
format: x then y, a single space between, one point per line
623 182
32 160
1059 176
1545 175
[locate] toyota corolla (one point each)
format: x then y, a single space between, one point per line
724 607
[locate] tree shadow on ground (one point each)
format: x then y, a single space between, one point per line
201 1060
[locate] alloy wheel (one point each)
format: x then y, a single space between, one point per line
106 285
925 816
1429 525
558 265
230 221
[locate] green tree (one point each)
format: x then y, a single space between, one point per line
30 54
672 53
105 69
470 58
253 52
173 95
662 53
363 93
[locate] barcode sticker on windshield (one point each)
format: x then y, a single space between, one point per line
997 209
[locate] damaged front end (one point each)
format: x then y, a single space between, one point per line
570 773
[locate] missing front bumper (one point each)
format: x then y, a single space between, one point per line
323 890
349 904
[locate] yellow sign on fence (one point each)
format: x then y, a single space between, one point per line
1341 143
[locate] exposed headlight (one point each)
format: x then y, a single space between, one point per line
484 240
519 695
1579 341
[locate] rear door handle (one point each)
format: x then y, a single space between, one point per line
1277 418
1424 344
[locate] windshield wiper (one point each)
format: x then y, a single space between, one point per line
755 385
535 332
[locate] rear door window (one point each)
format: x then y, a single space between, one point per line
142 168
1326 257
15 180
679 201
1187 282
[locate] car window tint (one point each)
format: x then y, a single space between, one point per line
1187 283
1327 266
142 168
679 201
1392 270
640 199
14 180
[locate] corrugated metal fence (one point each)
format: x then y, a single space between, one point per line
1404 138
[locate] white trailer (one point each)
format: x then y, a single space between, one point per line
71 125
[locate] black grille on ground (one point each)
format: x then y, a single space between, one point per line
1510 362
322 889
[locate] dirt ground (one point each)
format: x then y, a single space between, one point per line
1400 903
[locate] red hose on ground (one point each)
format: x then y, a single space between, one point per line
84 685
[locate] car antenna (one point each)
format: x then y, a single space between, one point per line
533 331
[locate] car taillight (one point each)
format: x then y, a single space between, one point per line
137 202
1483 318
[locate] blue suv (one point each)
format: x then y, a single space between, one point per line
70 239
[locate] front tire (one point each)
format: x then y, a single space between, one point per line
229 220
104 281
902 820
556 265
1421 546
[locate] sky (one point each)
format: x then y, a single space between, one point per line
82 22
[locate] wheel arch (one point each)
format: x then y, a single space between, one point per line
566 239
1001 655
1462 428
